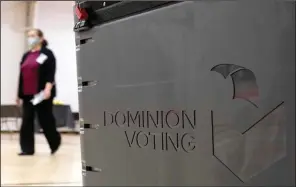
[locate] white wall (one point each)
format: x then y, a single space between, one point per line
13 22
56 20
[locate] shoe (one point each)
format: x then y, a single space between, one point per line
26 154
53 151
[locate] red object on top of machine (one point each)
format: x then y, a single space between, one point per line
81 13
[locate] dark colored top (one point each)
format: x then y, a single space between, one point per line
45 72
29 71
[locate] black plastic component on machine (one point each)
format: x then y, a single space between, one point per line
100 12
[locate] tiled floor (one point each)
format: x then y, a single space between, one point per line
42 169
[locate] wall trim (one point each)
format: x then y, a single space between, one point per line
14 111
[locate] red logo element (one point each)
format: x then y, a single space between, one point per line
81 13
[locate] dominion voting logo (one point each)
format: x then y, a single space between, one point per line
262 143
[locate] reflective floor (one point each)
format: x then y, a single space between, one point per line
42 169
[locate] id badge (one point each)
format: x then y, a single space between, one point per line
41 58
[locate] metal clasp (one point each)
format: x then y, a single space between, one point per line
81 125
79 80
86 168
82 84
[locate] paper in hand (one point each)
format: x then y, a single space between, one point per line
38 98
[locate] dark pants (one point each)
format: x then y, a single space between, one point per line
46 121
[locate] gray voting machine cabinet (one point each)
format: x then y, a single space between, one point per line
187 93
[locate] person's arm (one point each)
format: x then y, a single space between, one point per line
48 86
50 70
50 74
18 99
19 91
20 80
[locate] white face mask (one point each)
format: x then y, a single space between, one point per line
33 41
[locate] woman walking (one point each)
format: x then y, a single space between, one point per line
37 73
